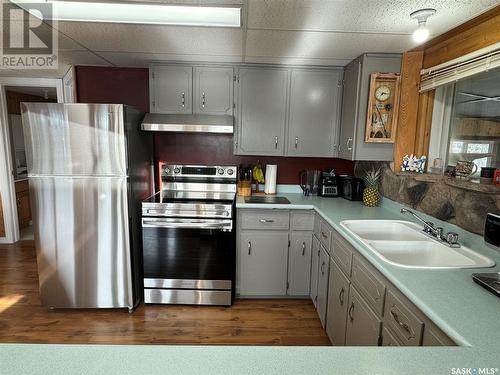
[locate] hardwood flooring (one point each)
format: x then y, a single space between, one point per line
247 322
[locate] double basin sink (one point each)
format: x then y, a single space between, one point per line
404 244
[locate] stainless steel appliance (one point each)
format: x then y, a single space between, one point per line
188 123
328 185
189 244
309 181
85 190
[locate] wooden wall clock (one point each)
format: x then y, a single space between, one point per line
383 105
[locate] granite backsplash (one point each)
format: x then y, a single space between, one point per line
462 203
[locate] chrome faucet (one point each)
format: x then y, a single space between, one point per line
450 238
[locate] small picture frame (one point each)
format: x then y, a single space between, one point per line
383 107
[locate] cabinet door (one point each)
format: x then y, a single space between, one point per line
338 293
213 90
363 325
23 208
314 110
314 270
324 265
350 98
171 89
261 115
263 263
299 264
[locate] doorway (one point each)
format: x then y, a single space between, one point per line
15 208
15 95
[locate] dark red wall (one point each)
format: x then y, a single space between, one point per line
131 86
113 85
218 149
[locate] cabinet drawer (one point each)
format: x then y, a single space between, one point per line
369 284
264 219
342 254
302 220
388 338
407 327
325 234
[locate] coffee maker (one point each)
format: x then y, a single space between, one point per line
328 184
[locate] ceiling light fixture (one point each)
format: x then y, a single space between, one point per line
147 13
421 34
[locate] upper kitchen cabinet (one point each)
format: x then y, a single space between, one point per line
261 111
176 89
171 89
314 113
352 145
213 90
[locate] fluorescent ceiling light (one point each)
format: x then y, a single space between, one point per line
159 14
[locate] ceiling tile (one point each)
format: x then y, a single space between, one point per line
320 45
386 16
155 39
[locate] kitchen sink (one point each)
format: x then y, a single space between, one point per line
404 244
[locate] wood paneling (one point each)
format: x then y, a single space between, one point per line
2 224
23 203
113 85
408 106
218 149
14 100
424 122
470 36
247 322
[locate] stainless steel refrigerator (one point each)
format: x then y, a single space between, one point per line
89 168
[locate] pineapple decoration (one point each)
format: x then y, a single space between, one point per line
371 196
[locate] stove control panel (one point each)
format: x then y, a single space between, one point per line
198 171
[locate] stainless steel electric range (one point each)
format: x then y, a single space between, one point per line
189 243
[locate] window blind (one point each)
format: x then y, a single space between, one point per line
465 66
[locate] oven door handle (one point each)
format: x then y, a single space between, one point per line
226 225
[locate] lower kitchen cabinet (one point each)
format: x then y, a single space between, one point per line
262 258
338 293
23 203
324 265
363 325
388 338
299 264
314 270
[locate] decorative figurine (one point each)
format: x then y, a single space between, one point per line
413 164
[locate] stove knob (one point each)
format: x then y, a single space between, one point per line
177 170
167 170
230 172
220 171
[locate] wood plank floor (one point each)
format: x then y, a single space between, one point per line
247 322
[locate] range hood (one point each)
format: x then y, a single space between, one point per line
188 123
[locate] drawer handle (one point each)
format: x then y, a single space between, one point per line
351 310
266 221
322 270
249 247
405 326
341 296
276 142
183 100
303 248
324 235
203 101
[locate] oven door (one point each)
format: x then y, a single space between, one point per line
188 254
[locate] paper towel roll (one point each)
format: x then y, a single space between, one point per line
271 172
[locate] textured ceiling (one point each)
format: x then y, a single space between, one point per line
316 32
